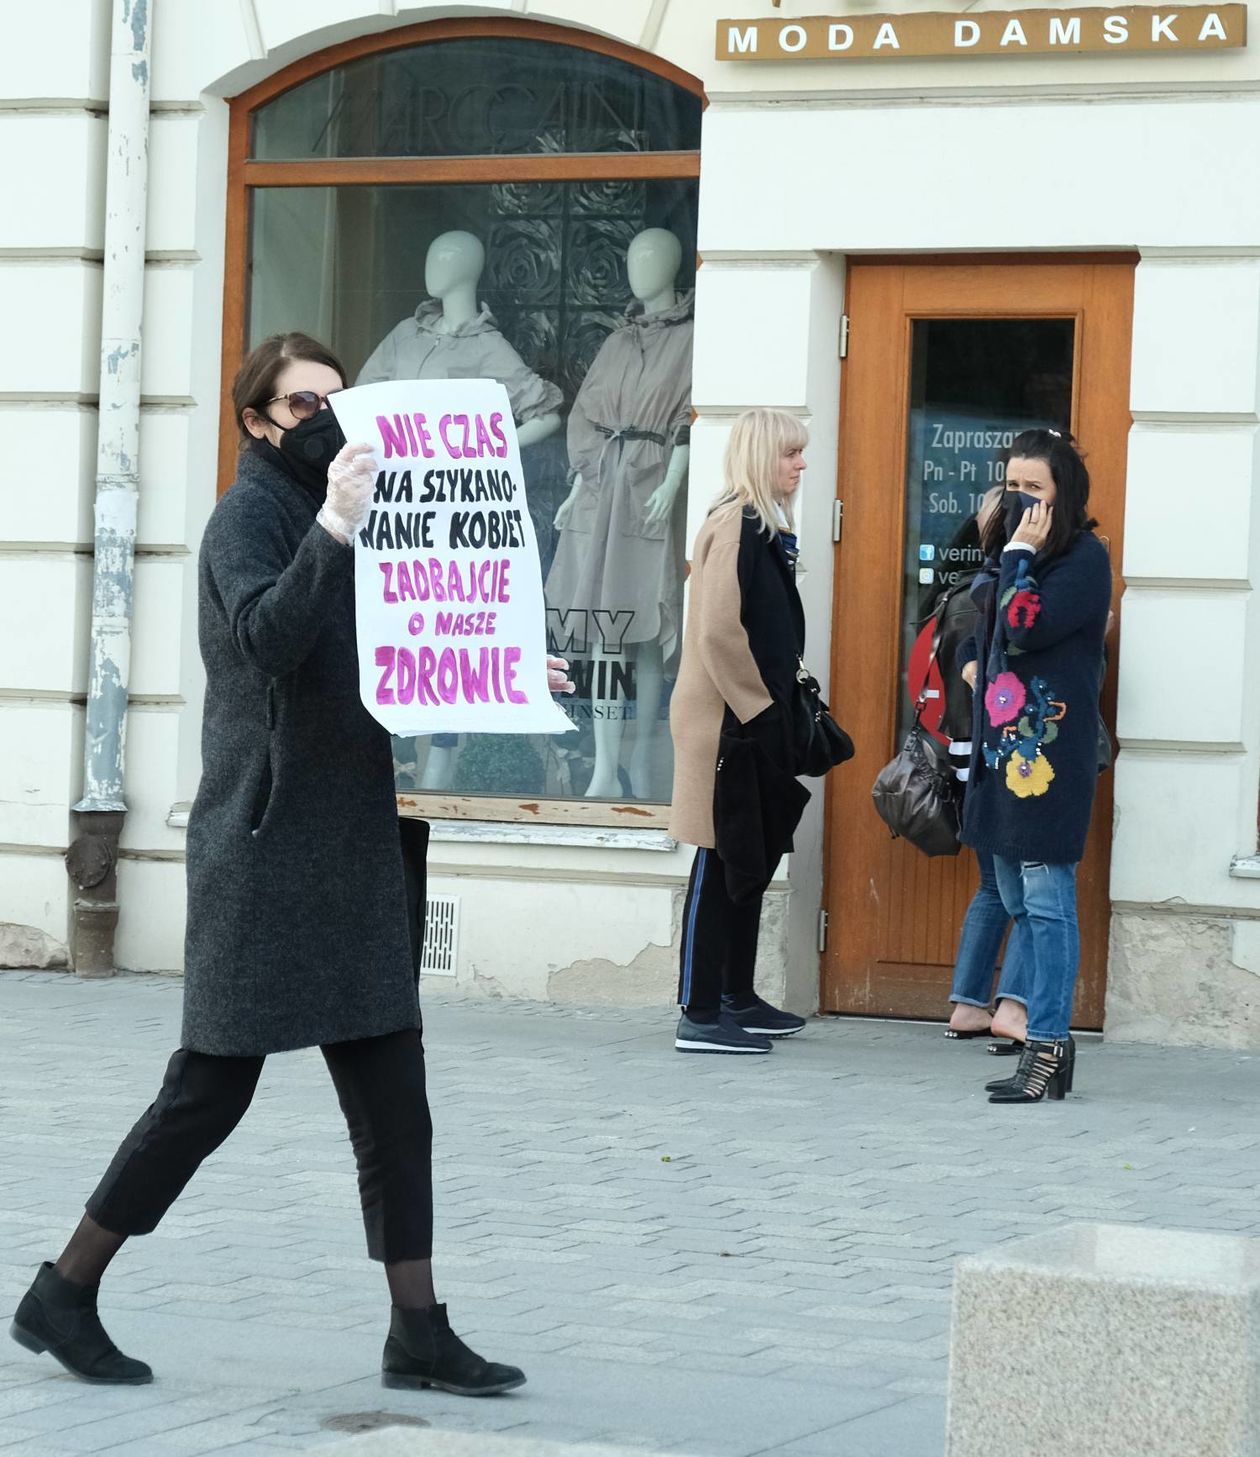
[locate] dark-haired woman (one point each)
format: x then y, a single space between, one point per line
1043 601
297 931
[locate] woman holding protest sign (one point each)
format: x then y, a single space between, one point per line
298 929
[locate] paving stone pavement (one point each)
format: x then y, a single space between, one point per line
718 1257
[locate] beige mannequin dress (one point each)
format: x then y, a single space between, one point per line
633 408
419 348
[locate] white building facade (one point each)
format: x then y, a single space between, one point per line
990 236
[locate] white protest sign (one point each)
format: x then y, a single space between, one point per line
448 589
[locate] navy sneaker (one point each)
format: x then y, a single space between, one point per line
724 1035
763 1020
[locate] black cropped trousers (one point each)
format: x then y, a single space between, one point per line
380 1084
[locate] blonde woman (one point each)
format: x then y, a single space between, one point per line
744 634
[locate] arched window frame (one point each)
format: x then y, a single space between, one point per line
246 175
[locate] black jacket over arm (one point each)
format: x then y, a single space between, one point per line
758 801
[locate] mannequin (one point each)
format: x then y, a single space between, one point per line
621 536
451 336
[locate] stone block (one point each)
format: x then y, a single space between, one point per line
52 315
54 181
776 373
35 908
199 48
1188 979
56 51
156 631
1162 459
56 446
41 751
411 1441
152 902
152 782
1194 336
173 179
27 947
170 323
1106 1339
47 597
282 25
165 434
1209 704
1204 804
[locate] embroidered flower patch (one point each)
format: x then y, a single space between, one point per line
1004 699
1026 777
1024 608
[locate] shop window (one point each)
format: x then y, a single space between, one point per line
536 163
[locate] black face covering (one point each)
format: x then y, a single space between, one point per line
306 451
1013 507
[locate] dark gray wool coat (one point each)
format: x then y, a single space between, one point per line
297 924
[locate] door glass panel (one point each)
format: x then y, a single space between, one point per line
974 385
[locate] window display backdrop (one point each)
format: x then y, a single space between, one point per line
575 292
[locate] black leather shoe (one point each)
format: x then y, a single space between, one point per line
423 1350
1045 1071
60 1317
1002 1085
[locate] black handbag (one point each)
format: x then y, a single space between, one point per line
915 794
818 741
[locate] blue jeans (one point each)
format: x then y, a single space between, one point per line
1042 900
983 927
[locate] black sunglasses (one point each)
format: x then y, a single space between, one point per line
303 404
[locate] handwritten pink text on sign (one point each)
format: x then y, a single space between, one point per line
448 593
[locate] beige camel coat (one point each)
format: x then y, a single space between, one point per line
717 670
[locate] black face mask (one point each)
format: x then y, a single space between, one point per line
306 451
1014 505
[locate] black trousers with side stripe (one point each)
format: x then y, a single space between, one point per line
719 940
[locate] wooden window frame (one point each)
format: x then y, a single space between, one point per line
244 175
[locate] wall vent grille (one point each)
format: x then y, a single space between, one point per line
441 936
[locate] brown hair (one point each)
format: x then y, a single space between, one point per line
255 382
1060 452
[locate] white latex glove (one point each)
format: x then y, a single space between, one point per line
351 484
558 680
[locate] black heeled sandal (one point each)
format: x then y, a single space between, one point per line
999 1085
1005 1049
1045 1071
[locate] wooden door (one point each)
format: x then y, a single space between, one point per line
946 359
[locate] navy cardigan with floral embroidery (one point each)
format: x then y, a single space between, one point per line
1039 645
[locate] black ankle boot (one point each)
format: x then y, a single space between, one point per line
423 1350
60 1317
1002 1085
1044 1072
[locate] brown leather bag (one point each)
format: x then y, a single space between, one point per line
916 794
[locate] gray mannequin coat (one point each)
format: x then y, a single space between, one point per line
297 925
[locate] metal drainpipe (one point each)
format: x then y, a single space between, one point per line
92 860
